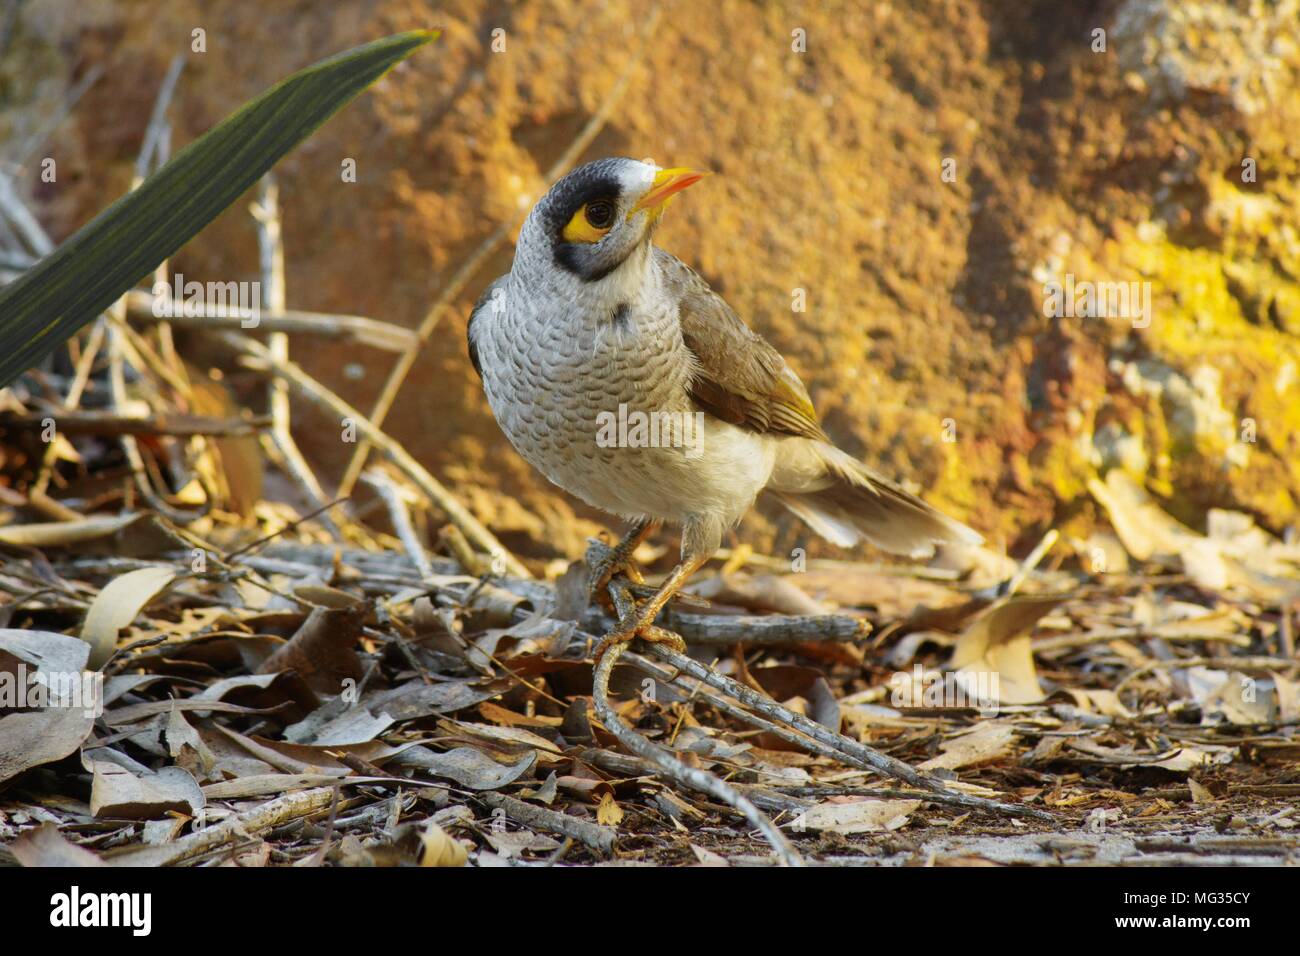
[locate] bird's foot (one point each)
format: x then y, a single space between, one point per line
644 630
607 563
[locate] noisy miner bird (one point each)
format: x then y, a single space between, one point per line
622 377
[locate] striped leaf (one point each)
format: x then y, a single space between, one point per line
124 243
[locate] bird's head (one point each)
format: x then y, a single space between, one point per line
596 217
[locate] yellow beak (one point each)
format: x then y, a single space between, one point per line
667 183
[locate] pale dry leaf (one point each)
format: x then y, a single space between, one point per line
45 846
1288 699
862 816
996 652
707 857
116 791
504 738
1147 531
1098 700
54 534
117 606
30 738
468 767
517 842
438 848
1200 793
988 741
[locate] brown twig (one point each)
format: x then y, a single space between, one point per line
598 837
142 306
113 423
429 486
669 765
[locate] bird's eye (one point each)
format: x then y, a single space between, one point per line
600 213
591 222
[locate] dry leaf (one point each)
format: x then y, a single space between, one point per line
988 741
439 849
45 846
708 857
995 650
1148 533
609 813
122 788
323 651
117 606
31 738
468 767
1200 793
862 816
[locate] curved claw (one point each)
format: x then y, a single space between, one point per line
606 571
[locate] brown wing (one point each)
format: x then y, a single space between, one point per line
741 379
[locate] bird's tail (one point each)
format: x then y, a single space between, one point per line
846 502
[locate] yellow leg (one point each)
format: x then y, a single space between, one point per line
642 625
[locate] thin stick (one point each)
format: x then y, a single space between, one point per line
143 306
1032 561
28 229
158 132
669 765
113 423
761 630
676 771
270 245
155 150
117 382
814 746
598 837
85 364
74 96
274 813
854 753
231 555
1286 633
467 270
401 518
429 486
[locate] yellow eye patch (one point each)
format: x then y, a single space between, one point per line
582 229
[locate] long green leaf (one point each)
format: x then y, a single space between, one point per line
121 245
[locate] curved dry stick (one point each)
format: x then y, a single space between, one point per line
677 771
821 749
429 486
851 751
139 471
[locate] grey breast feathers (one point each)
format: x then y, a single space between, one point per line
484 302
